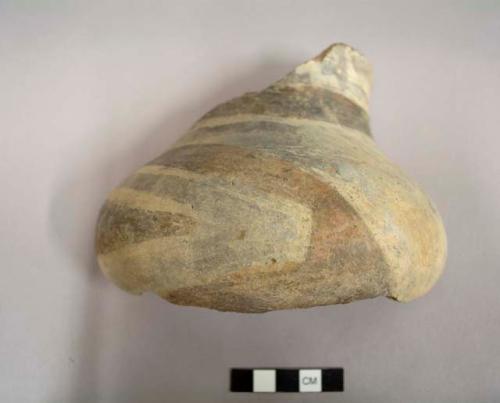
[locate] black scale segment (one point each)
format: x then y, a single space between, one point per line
287 380
332 380
241 380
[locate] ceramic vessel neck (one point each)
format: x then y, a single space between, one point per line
339 69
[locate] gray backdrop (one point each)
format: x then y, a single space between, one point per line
90 90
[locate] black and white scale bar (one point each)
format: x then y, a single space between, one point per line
287 380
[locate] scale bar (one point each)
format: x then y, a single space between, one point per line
272 380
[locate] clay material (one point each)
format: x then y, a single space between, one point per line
277 199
